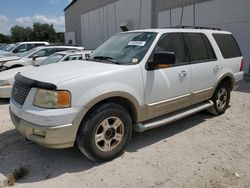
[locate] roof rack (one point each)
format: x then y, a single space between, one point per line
195 27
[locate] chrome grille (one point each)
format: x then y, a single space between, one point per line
20 92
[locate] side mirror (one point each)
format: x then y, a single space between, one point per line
161 60
34 57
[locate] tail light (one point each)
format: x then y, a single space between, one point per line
242 65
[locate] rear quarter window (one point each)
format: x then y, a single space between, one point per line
228 45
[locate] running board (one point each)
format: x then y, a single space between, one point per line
141 127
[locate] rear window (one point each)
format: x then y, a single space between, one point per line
228 45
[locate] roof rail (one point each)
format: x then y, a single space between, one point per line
195 27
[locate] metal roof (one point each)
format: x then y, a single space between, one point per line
71 3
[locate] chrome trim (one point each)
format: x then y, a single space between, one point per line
203 90
169 100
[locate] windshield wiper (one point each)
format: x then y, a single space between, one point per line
107 58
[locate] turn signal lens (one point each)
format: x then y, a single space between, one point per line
64 99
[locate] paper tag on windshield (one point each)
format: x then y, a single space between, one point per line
134 60
136 43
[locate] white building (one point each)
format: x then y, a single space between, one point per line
90 22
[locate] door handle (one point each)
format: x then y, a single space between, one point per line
216 67
183 73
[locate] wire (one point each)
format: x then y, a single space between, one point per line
140 14
182 9
194 11
115 17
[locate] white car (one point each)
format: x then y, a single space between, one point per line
136 80
21 47
34 56
7 77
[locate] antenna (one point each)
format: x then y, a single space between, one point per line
182 9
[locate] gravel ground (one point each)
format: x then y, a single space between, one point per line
198 151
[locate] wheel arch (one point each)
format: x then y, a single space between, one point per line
229 78
124 99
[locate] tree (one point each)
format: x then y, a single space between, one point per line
60 37
4 38
19 33
44 32
39 32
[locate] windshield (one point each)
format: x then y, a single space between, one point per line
10 47
52 59
125 48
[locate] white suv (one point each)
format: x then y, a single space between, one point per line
137 80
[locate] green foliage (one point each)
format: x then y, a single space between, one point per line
4 38
19 33
39 32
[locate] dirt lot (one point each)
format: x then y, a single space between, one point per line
198 151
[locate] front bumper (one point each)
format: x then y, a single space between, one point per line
54 137
5 91
57 135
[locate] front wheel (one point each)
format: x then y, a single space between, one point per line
221 98
105 132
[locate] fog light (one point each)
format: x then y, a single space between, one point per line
39 132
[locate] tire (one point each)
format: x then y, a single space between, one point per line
221 98
105 132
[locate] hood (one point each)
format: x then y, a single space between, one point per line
2 52
65 71
10 74
9 58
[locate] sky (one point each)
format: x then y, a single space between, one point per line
26 12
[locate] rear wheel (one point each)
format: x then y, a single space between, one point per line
221 98
105 132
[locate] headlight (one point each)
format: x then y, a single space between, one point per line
52 99
4 83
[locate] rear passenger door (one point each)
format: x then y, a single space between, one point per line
204 66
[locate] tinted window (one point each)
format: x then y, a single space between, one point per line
228 45
30 46
73 57
21 48
39 44
199 47
60 49
210 50
44 52
172 43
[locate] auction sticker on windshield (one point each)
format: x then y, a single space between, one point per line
136 43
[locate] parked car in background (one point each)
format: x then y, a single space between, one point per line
2 45
33 56
7 77
21 47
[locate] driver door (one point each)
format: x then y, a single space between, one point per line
168 89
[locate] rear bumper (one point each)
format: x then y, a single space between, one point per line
5 91
238 77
